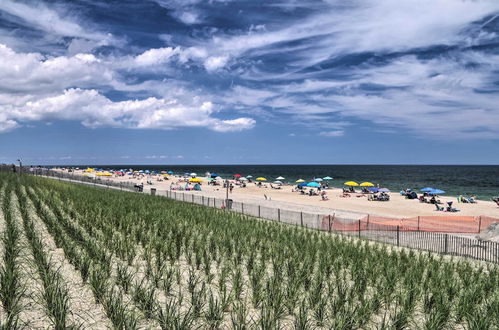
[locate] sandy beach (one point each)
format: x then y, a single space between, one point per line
357 205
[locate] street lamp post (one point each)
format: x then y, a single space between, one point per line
226 193
20 166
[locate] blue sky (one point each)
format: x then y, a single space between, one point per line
227 81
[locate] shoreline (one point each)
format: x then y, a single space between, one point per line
356 206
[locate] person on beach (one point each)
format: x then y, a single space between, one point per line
231 187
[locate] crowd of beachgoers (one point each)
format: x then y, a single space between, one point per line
352 195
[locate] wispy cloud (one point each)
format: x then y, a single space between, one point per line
426 67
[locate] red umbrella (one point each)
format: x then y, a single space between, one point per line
237 175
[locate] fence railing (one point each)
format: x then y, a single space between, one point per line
431 233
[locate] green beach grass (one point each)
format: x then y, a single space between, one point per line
151 262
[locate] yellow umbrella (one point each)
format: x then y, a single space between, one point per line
351 183
100 174
300 181
107 174
195 180
89 170
367 184
261 179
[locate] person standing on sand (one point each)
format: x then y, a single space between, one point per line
231 187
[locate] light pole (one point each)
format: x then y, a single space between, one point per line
226 193
20 166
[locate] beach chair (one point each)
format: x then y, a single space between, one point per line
438 208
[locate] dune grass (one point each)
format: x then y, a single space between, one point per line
173 265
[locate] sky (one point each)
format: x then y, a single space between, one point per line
249 82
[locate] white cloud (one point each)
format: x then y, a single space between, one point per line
95 110
37 88
332 133
49 20
234 125
362 26
215 62
156 56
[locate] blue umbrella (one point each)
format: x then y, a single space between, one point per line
374 189
303 184
170 172
436 192
313 184
384 190
328 178
214 175
318 179
426 189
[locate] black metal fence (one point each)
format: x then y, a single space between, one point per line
442 243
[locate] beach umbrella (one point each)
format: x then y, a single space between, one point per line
367 184
261 179
436 192
278 182
328 178
249 176
313 184
300 181
318 179
279 178
385 190
147 171
302 184
89 170
193 174
243 179
426 189
374 189
195 180
351 183
170 172
237 176
218 178
214 175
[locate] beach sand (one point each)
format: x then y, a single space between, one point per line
356 206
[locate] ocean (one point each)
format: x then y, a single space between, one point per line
479 180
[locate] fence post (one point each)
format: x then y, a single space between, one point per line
192 198
479 224
279 215
202 198
398 235
259 211
359 228
301 219
368 219
242 207
329 223
418 221
446 243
